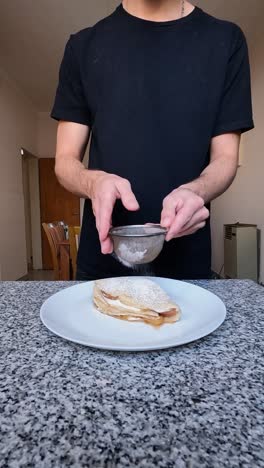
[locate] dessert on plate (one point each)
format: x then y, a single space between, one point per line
135 300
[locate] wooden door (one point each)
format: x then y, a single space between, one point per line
56 204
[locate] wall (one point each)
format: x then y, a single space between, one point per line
243 202
18 128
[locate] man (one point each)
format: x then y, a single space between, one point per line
164 89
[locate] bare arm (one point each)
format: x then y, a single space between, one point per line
72 141
103 189
183 209
220 173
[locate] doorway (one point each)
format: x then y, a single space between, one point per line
56 204
30 178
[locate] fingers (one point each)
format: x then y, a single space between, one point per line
103 204
105 219
106 246
197 221
127 196
191 207
192 230
198 217
170 206
103 208
121 189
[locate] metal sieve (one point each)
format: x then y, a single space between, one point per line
138 244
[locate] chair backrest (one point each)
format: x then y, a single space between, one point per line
55 233
62 228
74 235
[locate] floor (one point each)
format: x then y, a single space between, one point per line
38 275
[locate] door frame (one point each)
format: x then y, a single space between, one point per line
32 166
56 204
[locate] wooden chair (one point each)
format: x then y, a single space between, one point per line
62 229
74 236
60 250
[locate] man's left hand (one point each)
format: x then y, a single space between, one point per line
183 213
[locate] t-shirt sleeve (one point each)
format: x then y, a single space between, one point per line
235 110
70 101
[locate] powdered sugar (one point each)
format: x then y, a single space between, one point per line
130 255
146 293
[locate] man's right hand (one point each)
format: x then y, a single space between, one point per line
102 188
105 190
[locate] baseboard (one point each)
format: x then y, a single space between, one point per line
216 276
23 278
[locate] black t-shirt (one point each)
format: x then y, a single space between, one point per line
154 95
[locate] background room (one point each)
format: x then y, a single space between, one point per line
32 40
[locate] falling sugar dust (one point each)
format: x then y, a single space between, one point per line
131 258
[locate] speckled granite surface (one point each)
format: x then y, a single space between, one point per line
64 405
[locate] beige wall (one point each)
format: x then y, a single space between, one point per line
244 201
18 129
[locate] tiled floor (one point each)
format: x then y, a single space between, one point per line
39 275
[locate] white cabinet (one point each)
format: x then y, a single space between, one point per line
241 251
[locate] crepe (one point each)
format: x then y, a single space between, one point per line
135 300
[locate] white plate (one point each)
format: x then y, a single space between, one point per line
70 314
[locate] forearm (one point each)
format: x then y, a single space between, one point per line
220 173
214 180
74 177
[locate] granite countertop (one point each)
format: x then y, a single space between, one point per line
65 405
